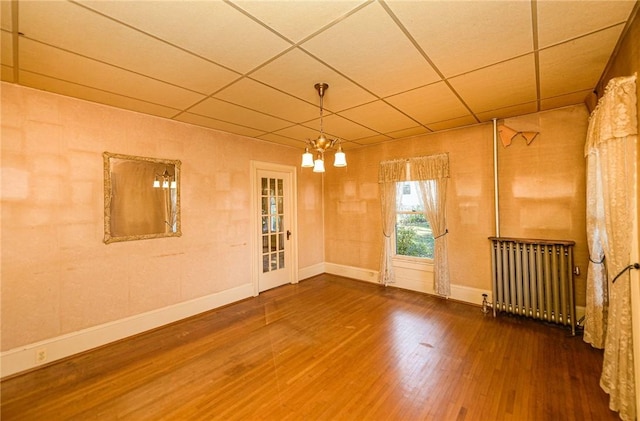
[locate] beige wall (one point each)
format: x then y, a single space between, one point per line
58 277
542 193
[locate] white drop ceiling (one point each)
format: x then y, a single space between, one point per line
394 68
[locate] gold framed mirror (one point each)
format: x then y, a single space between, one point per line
141 198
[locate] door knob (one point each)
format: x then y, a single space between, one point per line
288 234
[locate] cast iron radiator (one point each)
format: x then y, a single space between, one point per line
534 278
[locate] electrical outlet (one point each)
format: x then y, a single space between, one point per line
41 355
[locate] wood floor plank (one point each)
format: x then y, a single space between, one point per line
328 348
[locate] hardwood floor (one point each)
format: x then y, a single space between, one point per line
327 348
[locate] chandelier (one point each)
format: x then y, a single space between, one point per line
164 180
322 144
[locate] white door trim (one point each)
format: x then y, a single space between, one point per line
255 240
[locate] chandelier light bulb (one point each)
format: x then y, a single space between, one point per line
340 158
319 165
307 159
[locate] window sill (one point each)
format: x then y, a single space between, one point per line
413 263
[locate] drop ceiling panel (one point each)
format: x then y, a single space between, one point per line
498 86
297 72
371 50
95 95
212 29
6 55
298 19
512 111
341 127
257 96
564 100
453 123
412 131
430 103
462 38
6 16
77 29
380 117
224 126
270 137
298 132
590 54
59 64
372 140
562 21
235 114
7 74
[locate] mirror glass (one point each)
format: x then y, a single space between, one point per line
141 198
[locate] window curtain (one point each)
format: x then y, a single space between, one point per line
597 292
388 176
431 172
611 151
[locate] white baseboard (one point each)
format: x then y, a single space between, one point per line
24 358
360 274
311 271
414 280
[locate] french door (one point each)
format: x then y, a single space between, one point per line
274 222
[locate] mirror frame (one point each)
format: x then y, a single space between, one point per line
108 238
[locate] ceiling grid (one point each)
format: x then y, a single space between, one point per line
395 68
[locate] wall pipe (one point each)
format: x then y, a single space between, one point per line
495 176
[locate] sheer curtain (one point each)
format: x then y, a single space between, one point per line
388 176
431 172
597 294
611 151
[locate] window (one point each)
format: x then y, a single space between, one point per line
413 233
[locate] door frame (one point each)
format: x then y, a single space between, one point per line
254 208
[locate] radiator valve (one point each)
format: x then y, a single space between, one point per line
485 304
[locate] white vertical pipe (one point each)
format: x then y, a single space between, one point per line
495 176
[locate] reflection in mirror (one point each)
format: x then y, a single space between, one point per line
141 198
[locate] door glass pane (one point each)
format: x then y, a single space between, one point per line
272 223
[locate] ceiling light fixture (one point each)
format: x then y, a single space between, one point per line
164 180
322 143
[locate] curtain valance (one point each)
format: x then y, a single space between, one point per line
610 122
431 167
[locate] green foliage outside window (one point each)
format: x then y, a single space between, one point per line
413 236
